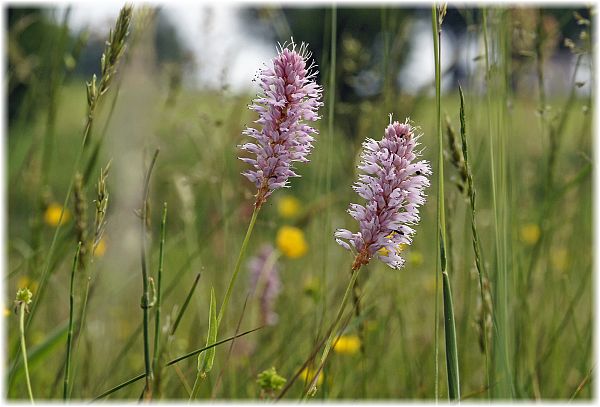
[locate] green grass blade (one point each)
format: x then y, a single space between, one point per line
206 359
172 362
70 332
185 304
451 348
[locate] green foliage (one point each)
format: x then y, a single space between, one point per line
543 346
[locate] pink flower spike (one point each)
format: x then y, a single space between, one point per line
393 185
290 98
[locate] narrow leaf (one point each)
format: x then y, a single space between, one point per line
451 348
206 359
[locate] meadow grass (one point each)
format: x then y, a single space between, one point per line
520 229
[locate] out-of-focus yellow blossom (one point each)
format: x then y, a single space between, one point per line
560 259
52 215
100 248
308 374
26 282
288 207
7 312
290 241
415 258
530 233
347 345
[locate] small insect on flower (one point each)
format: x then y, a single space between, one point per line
393 184
52 215
289 99
290 241
347 345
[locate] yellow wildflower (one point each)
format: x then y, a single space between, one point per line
530 233
100 248
308 374
26 282
7 312
347 345
288 207
290 241
52 215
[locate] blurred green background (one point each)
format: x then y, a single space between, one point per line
162 98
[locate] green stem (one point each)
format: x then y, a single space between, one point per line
440 176
237 265
145 302
159 288
312 388
24 349
195 389
225 303
449 324
70 332
330 151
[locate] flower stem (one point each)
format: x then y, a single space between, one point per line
238 263
70 332
24 349
236 271
312 388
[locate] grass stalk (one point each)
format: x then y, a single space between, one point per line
479 263
449 323
145 302
434 26
185 305
172 362
70 331
95 95
159 289
330 136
